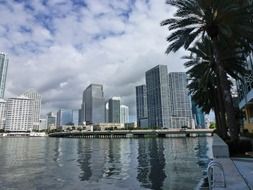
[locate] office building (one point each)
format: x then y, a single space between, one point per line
64 117
51 121
157 97
114 110
81 116
124 114
19 114
107 112
75 116
43 124
141 106
3 72
180 101
198 116
36 106
2 113
94 104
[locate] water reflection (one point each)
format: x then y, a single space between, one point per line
150 163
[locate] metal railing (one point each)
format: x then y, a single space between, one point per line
210 174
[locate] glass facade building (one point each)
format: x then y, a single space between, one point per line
157 97
141 106
94 104
180 101
64 117
3 72
114 110
198 115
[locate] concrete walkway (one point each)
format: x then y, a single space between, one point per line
245 168
238 171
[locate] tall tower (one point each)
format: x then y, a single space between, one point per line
124 114
157 97
3 72
180 107
114 110
2 113
141 106
94 104
19 114
36 105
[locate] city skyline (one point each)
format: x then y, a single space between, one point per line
63 50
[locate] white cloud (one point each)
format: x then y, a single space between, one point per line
107 42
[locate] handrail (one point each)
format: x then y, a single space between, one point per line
211 181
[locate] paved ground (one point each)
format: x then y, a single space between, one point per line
245 167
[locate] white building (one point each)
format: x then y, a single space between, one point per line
124 114
43 124
36 105
19 114
2 113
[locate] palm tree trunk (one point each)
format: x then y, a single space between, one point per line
227 98
220 114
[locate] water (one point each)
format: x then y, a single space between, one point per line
106 164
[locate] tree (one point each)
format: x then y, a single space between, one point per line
224 22
204 84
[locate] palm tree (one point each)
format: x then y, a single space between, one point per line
203 78
224 22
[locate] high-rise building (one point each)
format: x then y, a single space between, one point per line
75 116
2 113
198 116
19 114
141 106
43 124
51 120
93 99
64 117
124 114
107 112
114 110
157 97
36 105
180 101
3 72
82 114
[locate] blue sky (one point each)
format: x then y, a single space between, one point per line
58 47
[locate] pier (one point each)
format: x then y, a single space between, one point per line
134 133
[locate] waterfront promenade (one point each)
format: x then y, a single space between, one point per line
238 172
133 133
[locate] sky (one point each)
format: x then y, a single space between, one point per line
59 47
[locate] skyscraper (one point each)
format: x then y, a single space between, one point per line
93 99
198 115
157 97
180 101
3 72
141 106
114 110
75 117
124 114
64 117
107 112
51 121
36 105
19 114
2 113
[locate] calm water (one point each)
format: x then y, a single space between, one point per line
55 163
